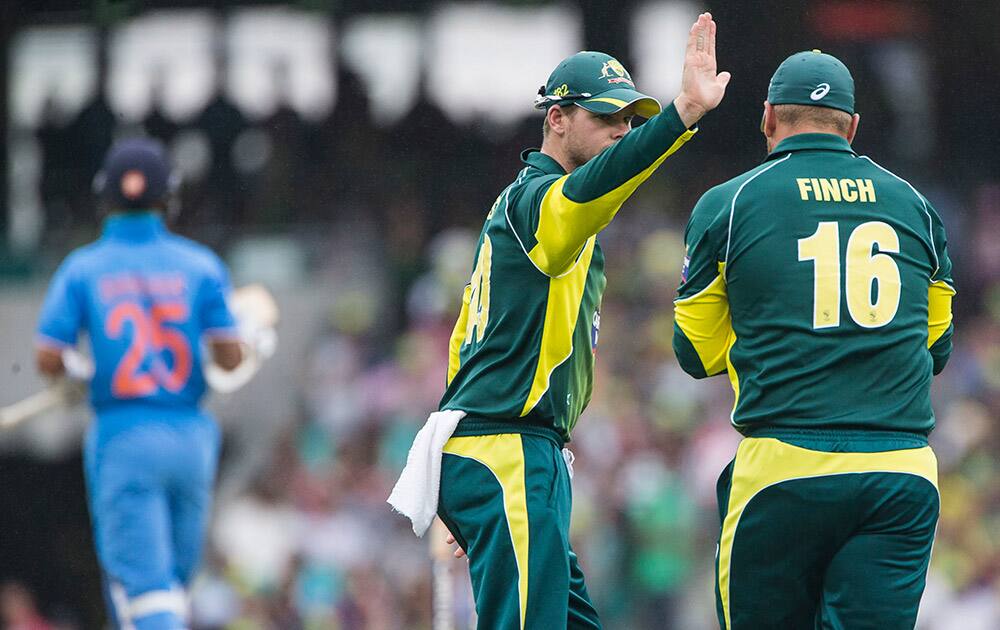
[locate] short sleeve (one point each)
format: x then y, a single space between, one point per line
63 311
214 315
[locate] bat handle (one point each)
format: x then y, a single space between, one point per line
442 584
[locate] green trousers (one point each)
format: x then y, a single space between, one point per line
507 500
814 539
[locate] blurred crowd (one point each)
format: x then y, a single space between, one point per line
283 171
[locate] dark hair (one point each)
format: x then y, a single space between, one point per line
827 117
144 163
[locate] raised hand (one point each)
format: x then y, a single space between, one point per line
702 87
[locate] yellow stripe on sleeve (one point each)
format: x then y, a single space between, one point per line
939 296
564 225
704 319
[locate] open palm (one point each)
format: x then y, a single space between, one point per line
702 86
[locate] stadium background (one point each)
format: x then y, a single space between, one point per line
344 153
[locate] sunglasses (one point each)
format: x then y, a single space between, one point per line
543 100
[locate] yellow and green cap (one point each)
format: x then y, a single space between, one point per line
596 82
814 78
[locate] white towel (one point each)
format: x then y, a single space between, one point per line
415 495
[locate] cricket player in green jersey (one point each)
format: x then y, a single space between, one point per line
522 352
820 283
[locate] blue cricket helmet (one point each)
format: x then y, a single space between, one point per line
135 175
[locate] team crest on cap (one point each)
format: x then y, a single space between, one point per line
615 72
133 184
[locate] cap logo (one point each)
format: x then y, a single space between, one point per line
133 184
612 65
821 90
615 72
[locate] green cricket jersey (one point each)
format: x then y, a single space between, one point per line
820 282
522 352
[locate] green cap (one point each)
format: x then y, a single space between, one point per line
596 82
812 78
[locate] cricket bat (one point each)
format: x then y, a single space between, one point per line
62 393
67 391
442 587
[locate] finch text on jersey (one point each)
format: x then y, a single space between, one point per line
826 189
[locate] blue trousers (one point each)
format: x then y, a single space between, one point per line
149 481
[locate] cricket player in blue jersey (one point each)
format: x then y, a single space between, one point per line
147 300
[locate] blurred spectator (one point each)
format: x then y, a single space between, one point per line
56 185
18 610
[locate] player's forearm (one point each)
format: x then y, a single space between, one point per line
580 205
227 354
627 163
49 362
688 111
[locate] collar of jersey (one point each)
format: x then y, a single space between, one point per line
811 141
136 225
545 163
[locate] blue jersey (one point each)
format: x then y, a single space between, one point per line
146 298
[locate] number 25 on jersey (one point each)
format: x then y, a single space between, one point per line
148 337
864 271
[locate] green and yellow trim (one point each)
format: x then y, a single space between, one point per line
939 296
617 102
561 313
564 225
705 321
458 335
503 455
764 462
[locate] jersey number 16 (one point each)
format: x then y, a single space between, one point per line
864 271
